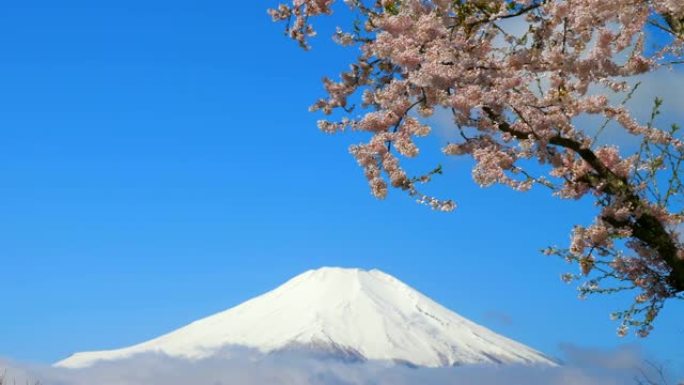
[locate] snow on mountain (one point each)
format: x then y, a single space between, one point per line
366 315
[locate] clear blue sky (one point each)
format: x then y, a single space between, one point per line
158 164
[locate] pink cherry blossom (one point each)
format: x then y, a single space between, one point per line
516 97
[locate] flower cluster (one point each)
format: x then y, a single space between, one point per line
517 97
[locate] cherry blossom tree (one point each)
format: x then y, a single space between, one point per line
517 103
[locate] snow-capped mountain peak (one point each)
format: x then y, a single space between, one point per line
368 315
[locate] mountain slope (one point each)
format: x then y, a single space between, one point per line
368 315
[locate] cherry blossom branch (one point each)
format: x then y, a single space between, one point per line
646 227
518 98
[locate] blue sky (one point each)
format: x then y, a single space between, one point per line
158 164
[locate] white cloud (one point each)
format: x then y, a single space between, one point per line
244 367
664 83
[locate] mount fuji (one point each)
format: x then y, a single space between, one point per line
346 313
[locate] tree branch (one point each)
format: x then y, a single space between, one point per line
645 227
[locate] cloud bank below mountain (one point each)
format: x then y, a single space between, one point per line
246 367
